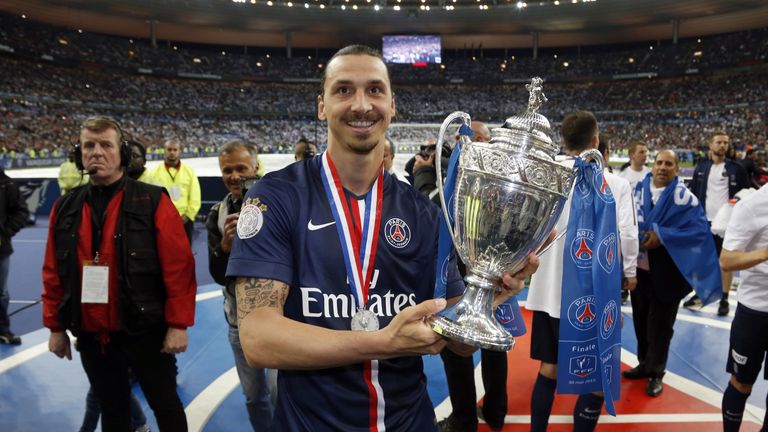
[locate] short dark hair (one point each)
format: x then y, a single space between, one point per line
353 50
577 130
605 144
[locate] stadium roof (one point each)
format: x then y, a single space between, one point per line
462 23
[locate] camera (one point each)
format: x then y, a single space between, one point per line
428 150
247 182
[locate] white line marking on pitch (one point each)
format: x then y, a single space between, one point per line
28 354
202 407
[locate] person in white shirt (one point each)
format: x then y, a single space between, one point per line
636 170
626 221
580 132
715 181
745 248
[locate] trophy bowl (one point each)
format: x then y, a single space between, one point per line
508 196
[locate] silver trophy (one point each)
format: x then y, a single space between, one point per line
509 195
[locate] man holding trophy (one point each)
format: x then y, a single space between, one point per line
347 339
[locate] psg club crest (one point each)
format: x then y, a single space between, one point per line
606 253
601 185
583 366
505 313
582 247
609 319
581 313
397 233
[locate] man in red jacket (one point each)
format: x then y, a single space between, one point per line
119 274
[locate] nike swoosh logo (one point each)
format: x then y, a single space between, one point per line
313 227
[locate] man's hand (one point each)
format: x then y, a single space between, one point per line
58 343
630 283
422 162
230 227
176 341
511 285
651 240
410 333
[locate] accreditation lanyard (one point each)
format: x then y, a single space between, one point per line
358 239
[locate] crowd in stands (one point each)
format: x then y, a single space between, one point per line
470 65
41 102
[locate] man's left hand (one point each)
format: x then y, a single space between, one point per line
511 285
630 283
651 240
175 342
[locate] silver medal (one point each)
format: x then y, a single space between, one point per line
365 320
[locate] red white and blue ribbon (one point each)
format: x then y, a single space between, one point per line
358 231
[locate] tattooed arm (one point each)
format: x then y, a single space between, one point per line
271 340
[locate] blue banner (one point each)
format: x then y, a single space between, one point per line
589 350
444 242
681 225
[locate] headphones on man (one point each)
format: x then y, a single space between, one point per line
107 122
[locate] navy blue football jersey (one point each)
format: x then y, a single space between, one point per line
290 236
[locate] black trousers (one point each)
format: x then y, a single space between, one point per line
654 321
460 374
107 369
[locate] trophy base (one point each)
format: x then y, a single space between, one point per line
471 321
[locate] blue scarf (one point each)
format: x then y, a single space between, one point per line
681 225
589 349
508 313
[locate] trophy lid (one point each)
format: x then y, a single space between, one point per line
530 121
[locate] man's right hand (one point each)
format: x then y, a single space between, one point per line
410 333
58 343
230 227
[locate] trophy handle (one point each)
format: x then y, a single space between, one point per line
438 164
591 155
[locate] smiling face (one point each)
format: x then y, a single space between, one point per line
357 102
101 155
235 165
664 168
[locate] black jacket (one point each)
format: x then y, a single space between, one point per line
13 212
737 179
142 291
217 258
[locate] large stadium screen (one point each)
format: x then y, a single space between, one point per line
411 49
